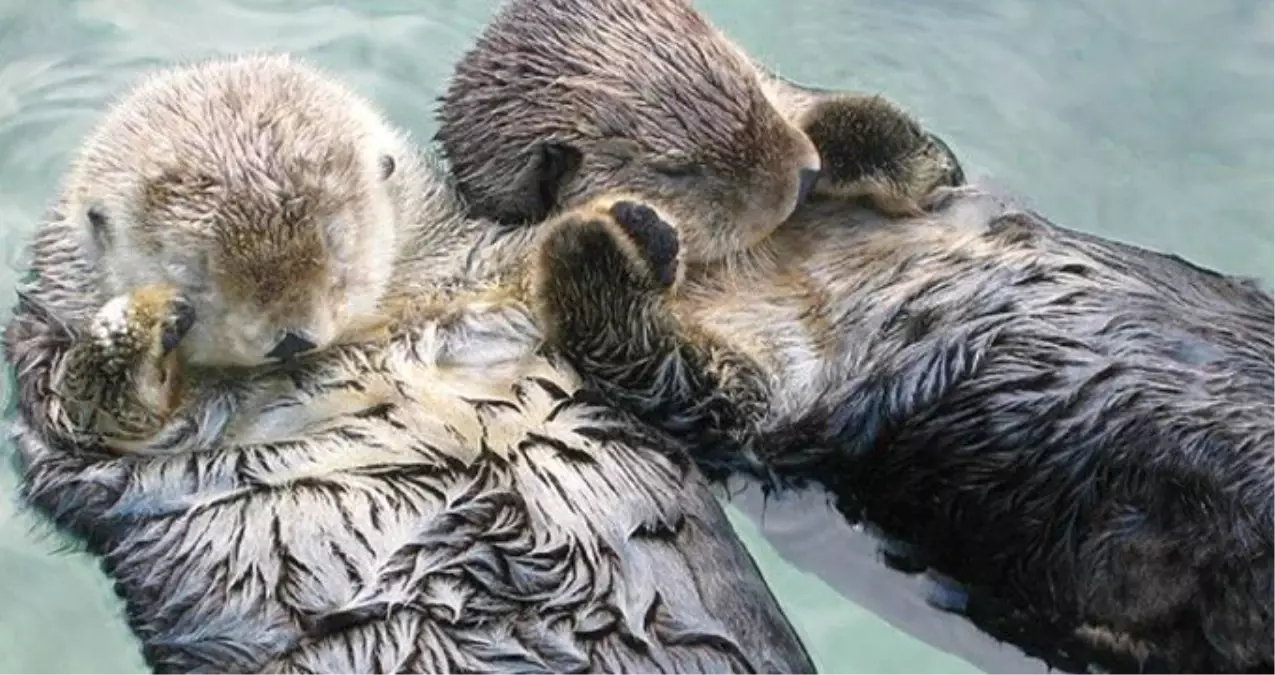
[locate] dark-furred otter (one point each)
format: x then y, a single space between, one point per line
1076 429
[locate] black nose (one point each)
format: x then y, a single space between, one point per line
806 179
290 347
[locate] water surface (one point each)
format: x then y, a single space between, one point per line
1148 121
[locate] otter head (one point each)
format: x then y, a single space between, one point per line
258 188
644 97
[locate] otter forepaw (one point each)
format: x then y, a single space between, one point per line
654 240
610 248
601 271
148 323
127 376
874 150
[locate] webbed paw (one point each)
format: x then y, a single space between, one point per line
130 368
874 150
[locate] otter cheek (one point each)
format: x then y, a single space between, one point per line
326 323
777 198
786 195
198 346
243 340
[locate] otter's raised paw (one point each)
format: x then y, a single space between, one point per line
874 150
601 269
609 247
654 240
128 371
146 324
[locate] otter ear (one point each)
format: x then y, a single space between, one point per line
549 167
387 166
99 228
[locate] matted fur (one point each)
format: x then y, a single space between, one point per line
647 95
1078 430
447 500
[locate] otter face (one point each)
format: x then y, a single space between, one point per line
644 97
730 190
257 188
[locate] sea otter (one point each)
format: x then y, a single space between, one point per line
1077 428
419 489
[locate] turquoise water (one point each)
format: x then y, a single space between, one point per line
1149 121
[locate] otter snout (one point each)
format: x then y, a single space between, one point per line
806 179
291 346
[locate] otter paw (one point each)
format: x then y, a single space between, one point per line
147 324
874 150
127 382
655 240
606 254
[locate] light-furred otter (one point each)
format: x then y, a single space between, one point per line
1076 429
650 96
428 494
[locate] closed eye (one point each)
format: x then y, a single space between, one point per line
677 169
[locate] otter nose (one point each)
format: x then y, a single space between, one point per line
290 347
806 179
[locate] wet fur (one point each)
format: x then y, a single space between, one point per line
1078 430
650 96
439 496
254 188
693 128
872 149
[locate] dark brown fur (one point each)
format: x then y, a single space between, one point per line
691 127
873 149
1079 430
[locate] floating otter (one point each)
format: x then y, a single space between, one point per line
1077 429
1074 427
424 493
651 97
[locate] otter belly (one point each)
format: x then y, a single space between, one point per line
397 512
